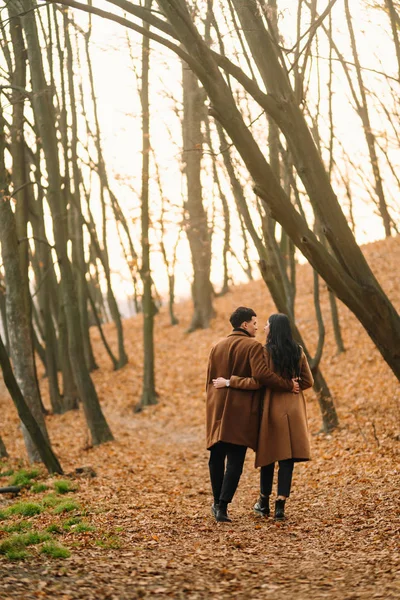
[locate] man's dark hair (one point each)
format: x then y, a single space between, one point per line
240 315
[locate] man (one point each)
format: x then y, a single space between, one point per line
233 415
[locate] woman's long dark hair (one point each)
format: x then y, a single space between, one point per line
284 351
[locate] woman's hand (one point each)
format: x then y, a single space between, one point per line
220 382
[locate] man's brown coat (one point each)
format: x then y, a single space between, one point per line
232 414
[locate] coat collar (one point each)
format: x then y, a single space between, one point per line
240 331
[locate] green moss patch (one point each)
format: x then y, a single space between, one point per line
55 550
54 528
26 509
64 487
38 488
66 506
16 527
23 478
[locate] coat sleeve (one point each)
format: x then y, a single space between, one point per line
306 379
209 367
262 372
244 383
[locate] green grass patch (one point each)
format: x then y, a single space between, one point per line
3 515
16 527
25 509
37 488
23 477
20 541
63 487
33 537
17 554
54 528
55 550
71 522
66 506
7 473
83 528
51 500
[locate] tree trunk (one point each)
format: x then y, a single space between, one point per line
41 441
3 449
394 22
17 318
149 395
3 314
196 226
111 300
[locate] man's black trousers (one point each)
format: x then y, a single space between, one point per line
225 477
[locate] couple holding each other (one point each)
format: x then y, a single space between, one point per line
258 404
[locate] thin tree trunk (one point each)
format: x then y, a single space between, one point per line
395 23
112 303
363 112
196 225
149 395
76 232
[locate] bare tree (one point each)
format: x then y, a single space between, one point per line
149 395
196 226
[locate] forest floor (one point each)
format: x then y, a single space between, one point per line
149 531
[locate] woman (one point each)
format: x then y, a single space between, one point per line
283 435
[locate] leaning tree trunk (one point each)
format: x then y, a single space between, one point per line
196 225
44 113
41 441
149 395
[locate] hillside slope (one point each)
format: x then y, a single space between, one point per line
152 489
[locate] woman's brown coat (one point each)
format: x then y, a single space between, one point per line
283 428
233 415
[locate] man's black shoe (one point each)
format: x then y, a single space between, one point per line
214 508
261 507
222 515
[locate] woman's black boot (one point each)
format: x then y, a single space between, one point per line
261 507
280 510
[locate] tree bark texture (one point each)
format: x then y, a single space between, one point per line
149 395
196 225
